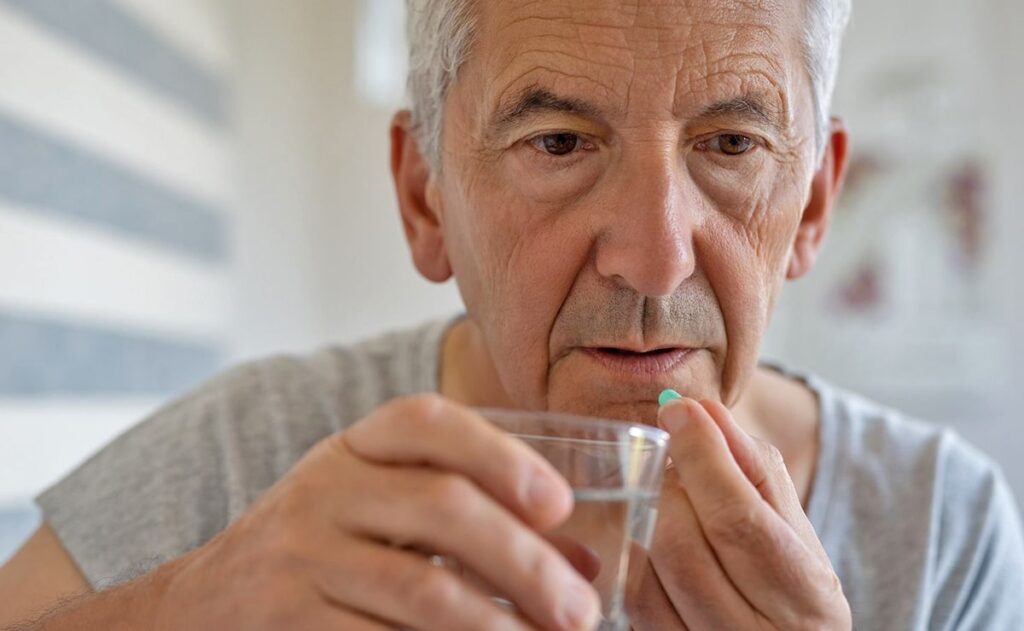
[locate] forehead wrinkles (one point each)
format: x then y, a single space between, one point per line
628 53
744 47
583 47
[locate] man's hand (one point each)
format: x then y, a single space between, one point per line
340 542
733 548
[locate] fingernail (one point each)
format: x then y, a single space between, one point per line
580 610
668 395
672 418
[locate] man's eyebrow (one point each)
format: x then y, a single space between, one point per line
747 107
536 100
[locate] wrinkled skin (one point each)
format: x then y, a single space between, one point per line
646 233
657 190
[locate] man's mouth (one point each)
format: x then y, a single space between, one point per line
639 362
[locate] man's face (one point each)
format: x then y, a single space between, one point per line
621 177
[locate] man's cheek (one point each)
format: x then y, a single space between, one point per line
522 313
752 228
729 260
777 215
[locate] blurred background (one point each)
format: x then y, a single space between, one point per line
187 185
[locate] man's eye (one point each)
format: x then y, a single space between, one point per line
731 144
561 144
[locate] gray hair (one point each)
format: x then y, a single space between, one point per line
440 33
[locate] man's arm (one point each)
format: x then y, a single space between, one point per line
340 542
37 578
42 589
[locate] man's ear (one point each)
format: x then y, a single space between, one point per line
825 189
418 201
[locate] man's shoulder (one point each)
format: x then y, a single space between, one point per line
878 440
908 506
341 381
908 481
278 406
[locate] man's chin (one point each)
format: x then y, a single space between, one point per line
644 412
639 410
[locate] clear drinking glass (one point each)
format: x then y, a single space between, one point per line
615 469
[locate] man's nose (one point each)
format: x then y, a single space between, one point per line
646 241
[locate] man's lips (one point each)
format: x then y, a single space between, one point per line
639 362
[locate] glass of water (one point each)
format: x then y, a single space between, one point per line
615 469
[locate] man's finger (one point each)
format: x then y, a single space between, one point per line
764 466
762 555
448 514
406 589
422 430
700 454
689 572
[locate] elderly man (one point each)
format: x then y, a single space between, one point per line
620 190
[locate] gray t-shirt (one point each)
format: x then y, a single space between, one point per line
920 527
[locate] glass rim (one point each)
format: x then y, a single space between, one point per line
648 432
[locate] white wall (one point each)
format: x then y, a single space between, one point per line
1002 132
320 253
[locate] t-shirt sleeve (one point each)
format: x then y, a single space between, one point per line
171 482
146 497
980 562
